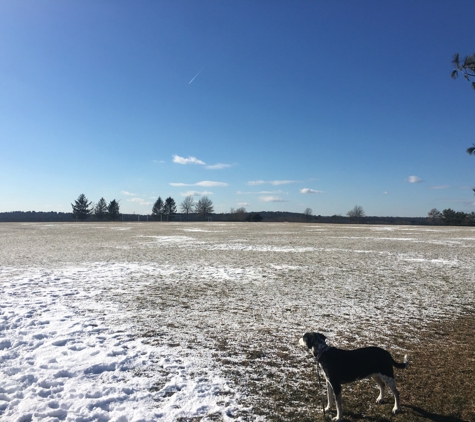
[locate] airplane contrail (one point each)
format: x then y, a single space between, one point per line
194 77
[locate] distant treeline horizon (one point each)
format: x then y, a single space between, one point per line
264 216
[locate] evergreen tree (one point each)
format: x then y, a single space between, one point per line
157 210
467 67
100 210
254 217
169 209
113 210
81 208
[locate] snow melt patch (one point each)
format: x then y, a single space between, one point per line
62 359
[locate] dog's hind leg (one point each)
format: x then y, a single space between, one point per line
339 409
391 383
330 397
381 386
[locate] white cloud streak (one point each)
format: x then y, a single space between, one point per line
282 182
271 182
196 193
124 192
218 166
139 201
262 192
272 199
204 183
308 190
190 160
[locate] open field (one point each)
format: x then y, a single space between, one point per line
200 321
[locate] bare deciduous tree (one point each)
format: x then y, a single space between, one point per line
187 205
356 213
204 207
238 214
434 215
308 213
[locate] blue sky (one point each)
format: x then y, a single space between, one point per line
271 105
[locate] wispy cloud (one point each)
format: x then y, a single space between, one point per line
218 166
124 192
139 201
272 199
196 193
413 179
204 183
190 160
262 192
308 190
271 182
282 182
440 187
243 204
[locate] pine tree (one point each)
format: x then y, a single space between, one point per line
113 210
100 210
81 208
169 209
157 210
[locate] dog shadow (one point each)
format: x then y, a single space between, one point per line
435 417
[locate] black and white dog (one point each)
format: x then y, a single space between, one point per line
344 366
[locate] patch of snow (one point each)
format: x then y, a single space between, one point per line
63 359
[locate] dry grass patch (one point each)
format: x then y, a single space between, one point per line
439 384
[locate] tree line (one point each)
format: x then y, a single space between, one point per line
162 210
449 217
167 209
83 208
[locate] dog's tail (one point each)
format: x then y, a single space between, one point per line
403 365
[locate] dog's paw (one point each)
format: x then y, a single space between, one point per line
379 401
336 419
396 410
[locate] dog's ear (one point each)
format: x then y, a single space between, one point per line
321 337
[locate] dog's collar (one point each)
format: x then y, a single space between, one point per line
318 354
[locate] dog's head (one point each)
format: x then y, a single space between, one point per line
315 342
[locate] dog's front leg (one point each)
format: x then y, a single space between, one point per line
330 397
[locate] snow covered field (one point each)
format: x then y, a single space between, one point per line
197 321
